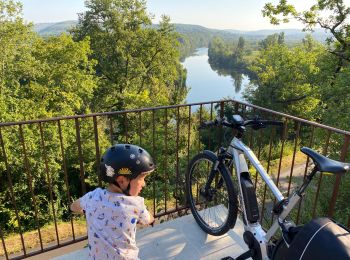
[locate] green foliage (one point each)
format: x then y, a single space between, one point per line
273 39
120 65
330 15
332 77
286 80
227 55
134 59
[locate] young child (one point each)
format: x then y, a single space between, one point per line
112 213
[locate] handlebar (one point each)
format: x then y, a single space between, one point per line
256 123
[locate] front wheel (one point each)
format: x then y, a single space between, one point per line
214 209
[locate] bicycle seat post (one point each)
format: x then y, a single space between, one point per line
307 181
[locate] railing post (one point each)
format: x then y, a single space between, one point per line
343 153
222 114
236 107
80 154
97 149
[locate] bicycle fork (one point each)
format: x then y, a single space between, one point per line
207 192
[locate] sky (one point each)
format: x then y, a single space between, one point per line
218 14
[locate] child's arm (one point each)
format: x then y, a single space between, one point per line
146 218
76 208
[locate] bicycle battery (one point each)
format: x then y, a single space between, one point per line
250 202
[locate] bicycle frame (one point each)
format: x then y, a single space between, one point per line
239 151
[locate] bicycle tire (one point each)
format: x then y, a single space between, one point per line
226 202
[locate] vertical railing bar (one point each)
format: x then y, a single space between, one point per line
8 171
310 145
251 135
177 154
188 135
267 170
321 174
222 107
294 152
166 159
236 107
111 130
80 153
126 127
199 143
47 170
280 163
282 149
210 129
30 183
244 110
154 156
97 149
337 180
200 122
259 152
64 166
140 126
306 165
3 244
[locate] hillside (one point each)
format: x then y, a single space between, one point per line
205 34
47 29
291 35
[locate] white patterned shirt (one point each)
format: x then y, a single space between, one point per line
111 220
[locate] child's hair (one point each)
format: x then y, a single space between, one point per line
125 160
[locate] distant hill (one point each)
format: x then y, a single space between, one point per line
47 29
291 35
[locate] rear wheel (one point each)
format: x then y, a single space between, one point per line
215 210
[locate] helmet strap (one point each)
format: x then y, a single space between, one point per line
126 191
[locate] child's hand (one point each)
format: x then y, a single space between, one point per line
151 221
76 208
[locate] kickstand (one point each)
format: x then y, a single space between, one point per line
245 255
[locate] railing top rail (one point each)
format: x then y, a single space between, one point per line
344 132
106 113
340 131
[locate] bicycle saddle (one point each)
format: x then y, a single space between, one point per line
325 164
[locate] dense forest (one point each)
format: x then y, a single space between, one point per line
115 59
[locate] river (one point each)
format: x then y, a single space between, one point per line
206 84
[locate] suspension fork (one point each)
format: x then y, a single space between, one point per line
222 155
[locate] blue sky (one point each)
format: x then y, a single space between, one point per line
220 14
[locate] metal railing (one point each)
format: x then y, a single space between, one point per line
45 164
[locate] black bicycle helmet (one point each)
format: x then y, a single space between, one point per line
127 160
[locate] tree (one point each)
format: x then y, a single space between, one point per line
331 15
239 52
134 59
272 40
40 78
286 80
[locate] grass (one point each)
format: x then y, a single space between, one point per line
48 236
286 163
